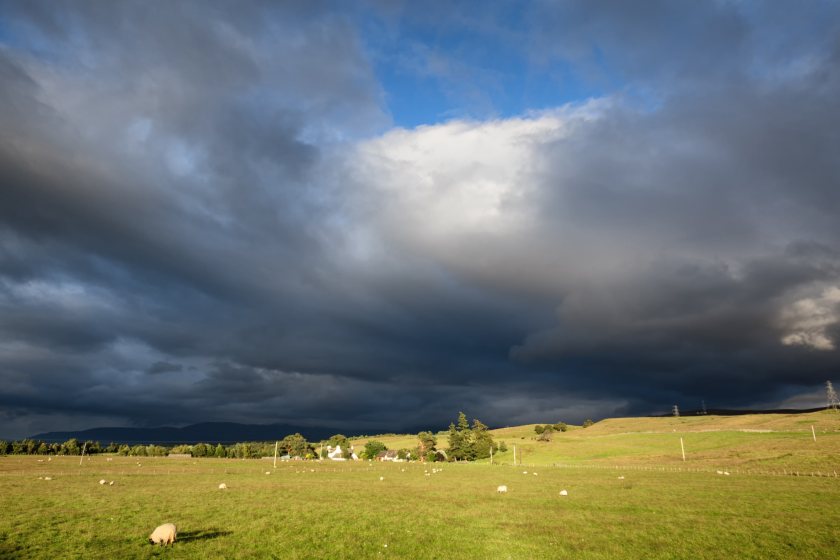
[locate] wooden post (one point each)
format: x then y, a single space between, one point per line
84 445
276 443
491 454
514 454
683 448
813 433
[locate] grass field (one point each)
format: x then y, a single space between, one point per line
660 509
768 443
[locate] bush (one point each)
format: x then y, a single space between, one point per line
372 449
588 422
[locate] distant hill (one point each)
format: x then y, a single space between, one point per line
207 432
730 412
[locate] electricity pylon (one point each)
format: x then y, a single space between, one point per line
831 396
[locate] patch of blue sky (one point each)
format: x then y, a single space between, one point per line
433 73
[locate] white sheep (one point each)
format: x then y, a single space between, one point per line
102 481
267 472
524 472
47 478
563 493
620 478
381 478
502 489
726 473
164 534
720 472
222 486
111 483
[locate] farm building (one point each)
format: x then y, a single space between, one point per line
337 454
389 455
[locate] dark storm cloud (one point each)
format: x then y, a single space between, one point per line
199 222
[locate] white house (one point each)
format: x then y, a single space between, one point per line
336 454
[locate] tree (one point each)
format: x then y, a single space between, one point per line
338 440
372 449
220 451
296 445
548 431
482 441
539 429
560 427
428 444
469 443
588 422
460 439
71 447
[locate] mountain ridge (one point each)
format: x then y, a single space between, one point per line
203 432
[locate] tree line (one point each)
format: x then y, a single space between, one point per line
467 442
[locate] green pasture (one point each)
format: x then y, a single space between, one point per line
343 510
766 443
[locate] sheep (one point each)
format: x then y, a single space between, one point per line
111 483
524 472
620 478
502 489
726 473
720 472
267 472
165 534
564 493
222 486
47 478
102 481
381 478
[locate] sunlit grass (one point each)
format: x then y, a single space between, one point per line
343 510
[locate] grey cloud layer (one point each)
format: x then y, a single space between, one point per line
192 200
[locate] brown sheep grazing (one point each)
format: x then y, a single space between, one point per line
165 534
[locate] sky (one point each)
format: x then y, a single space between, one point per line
371 215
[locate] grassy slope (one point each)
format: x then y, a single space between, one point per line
768 442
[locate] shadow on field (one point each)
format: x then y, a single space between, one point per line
202 534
